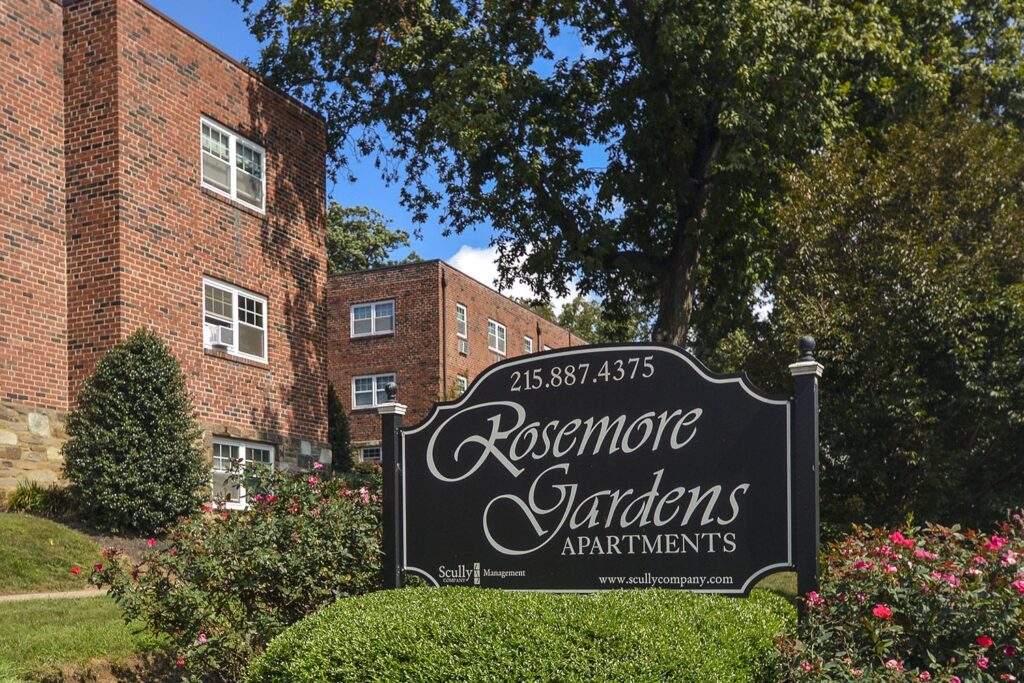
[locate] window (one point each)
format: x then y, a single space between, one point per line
527 344
377 317
369 390
461 383
370 454
231 460
232 165
496 337
234 320
461 327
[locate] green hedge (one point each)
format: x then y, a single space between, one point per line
465 634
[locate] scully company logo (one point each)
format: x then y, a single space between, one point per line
460 574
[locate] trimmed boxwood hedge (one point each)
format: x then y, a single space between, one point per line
466 634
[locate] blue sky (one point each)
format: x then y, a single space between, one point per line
220 23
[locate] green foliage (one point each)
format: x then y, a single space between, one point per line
466 634
366 474
37 555
590 320
134 460
905 259
52 500
358 238
896 605
339 433
224 584
643 157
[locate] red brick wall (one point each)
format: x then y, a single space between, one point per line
483 303
412 352
415 351
33 299
174 232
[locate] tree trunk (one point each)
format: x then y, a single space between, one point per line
677 288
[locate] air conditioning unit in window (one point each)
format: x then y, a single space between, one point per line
220 337
464 347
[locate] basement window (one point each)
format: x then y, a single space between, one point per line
232 461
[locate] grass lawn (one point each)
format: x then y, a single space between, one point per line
36 635
38 555
783 583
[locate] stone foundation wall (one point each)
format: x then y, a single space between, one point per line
30 441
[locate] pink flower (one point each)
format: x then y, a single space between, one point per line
1007 677
893 664
890 569
925 555
364 495
151 542
861 564
206 508
806 666
982 662
318 466
202 639
76 571
313 481
978 559
973 571
899 539
881 611
954 679
1008 559
856 673
98 566
1019 585
174 552
925 676
1009 651
984 641
814 599
181 661
995 543
271 498
258 498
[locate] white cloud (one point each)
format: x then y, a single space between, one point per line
481 264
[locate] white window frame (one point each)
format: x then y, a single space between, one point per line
243 446
373 318
235 293
461 325
233 140
503 338
527 344
461 384
377 388
362 453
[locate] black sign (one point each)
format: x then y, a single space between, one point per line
600 468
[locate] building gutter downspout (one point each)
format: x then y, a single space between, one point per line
444 335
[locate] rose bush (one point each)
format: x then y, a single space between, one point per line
916 604
223 584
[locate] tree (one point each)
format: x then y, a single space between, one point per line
590 320
359 238
134 458
643 161
905 256
339 434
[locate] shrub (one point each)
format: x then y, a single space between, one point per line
364 474
31 496
472 634
223 584
916 604
134 457
339 434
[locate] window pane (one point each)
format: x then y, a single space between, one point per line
382 383
223 491
362 312
527 345
250 311
216 172
363 391
370 453
384 317
224 457
249 160
460 320
249 188
216 143
218 302
250 340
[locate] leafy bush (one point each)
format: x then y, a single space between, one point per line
916 605
134 458
31 496
367 474
467 634
223 584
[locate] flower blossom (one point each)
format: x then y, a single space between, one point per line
1019 585
1010 558
893 664
318 466
925 675
1009 651
76 570
313 481
983 662
995 543
364 494
151 542
881 611
862 564
805 665
814 599
984 641
925 555
899 539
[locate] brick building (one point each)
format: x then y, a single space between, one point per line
147 179
426 326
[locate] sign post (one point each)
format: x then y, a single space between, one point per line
606 467
391 414
806 372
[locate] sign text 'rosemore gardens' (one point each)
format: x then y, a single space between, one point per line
602 468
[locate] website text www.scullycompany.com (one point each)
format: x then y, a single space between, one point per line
650 579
